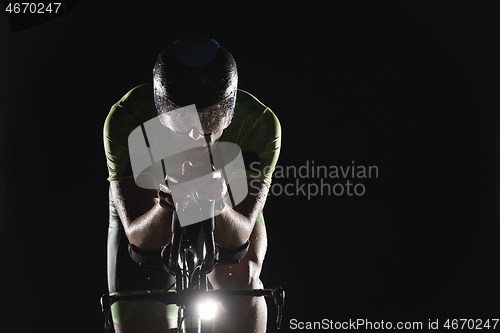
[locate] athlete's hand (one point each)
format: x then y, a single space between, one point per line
206 185
175 185
209 183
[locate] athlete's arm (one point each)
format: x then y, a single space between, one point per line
147 224
234 225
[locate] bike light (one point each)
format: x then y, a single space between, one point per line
207 309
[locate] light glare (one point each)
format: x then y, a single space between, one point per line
207 310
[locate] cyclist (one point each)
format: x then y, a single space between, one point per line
190 71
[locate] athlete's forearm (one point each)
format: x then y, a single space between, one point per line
232 229
152 230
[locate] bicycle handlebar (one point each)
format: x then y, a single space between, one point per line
188 297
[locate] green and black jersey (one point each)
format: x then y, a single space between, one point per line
254 128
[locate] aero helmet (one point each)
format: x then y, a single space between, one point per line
195 74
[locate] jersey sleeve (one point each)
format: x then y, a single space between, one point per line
129 112
257 131
264 149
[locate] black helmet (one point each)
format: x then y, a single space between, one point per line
196 71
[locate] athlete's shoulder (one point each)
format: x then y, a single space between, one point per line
137 96
251 118
136 106
247 100
248 104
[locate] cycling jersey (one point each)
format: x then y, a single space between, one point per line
254 128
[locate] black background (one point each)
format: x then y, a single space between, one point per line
410 87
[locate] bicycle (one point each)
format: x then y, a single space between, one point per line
181 259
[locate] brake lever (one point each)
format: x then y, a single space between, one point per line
279 300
